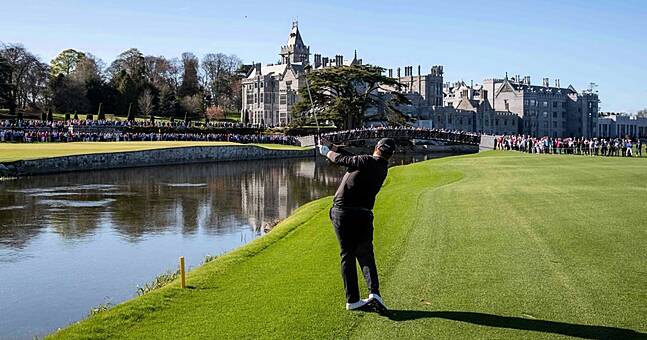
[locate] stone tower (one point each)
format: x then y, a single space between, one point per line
295 52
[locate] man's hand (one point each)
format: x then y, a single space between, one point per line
323 150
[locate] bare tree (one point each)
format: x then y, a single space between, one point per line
21 64
218 76
192 106
145 103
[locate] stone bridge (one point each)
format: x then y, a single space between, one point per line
341 137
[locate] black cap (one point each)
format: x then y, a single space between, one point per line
386 145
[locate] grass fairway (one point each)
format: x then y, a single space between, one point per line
495 245
10 152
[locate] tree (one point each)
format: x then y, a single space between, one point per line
214 113
65 62
190 85
344 94
168 104
132 62
21 63
5 82
127 92
69 94
145 104
192 106
219 74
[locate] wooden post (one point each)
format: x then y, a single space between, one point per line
182 273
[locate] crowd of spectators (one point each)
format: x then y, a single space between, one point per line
626 147
33 136
31 131
118 124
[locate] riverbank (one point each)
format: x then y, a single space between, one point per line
48 158
493 245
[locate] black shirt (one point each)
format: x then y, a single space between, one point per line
362 181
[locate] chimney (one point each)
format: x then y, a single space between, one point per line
557 83
526 80
546 82
317 60
339 60
325 61
471 89
257 66
390 73
419 70
398 73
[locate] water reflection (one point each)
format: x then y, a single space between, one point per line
69 242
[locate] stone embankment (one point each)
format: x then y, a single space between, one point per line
154 157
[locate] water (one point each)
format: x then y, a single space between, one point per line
70 242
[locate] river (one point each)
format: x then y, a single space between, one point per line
71 242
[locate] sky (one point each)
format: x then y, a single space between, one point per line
579 42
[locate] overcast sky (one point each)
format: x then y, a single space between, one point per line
577 41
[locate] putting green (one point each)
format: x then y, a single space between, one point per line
10 152
495 245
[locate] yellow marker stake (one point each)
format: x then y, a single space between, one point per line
182 273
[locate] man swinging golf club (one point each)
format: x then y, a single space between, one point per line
352 218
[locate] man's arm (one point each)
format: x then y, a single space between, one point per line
347 161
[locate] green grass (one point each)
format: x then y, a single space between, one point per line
495 245
10 152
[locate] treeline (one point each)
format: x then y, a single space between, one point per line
78 83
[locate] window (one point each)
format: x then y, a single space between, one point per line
563 105
554 104
545 114
554 114
505 122
545 125
283 99
545 103
532 102
555 125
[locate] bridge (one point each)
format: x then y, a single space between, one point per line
341 137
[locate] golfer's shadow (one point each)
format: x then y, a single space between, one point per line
569 329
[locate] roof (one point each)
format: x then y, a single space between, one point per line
295 36
267 70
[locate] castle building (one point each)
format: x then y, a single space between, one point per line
545 110
467 107
269 92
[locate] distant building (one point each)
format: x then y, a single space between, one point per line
269 92
612 126
545 110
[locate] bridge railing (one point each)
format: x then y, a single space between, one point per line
424 134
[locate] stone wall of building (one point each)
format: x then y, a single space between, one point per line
156 157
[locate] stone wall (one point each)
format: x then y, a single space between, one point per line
168 156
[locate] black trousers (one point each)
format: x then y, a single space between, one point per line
354 229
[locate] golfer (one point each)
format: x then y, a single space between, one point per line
352 219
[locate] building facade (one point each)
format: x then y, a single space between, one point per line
545 110
613 126
270 91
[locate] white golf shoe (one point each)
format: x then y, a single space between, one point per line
356 305
378 303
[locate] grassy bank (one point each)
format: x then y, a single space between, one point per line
13 151
495 245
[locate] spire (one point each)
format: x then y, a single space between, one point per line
355 55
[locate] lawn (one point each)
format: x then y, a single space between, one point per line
13 151
494 245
